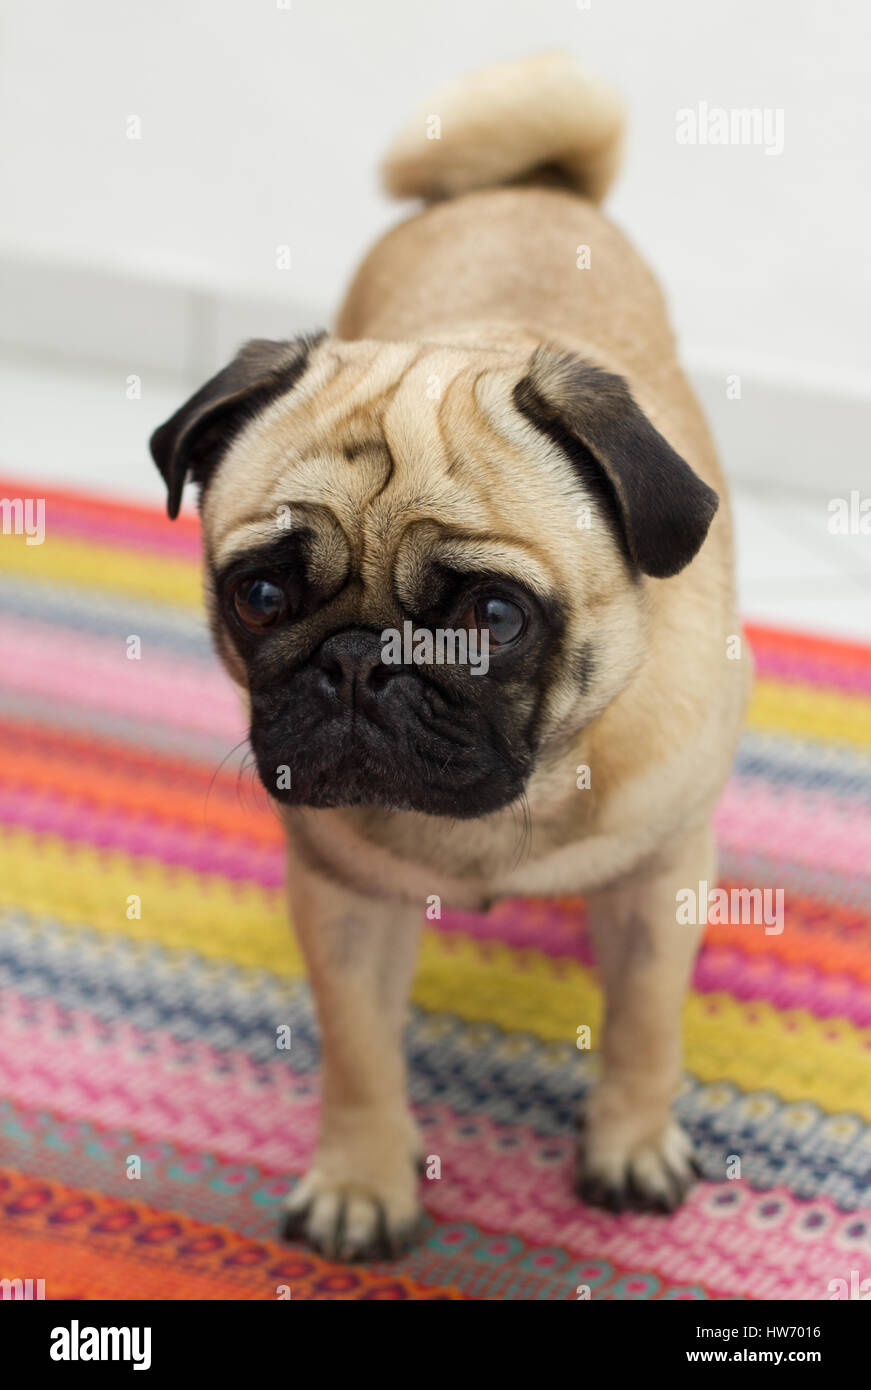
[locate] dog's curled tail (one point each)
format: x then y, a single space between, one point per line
539 118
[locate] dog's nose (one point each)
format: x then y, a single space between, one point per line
351 668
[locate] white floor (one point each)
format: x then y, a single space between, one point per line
77 428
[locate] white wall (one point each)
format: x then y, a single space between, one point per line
262 125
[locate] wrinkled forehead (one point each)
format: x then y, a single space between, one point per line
385 451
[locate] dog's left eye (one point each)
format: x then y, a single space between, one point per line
503 619
259 604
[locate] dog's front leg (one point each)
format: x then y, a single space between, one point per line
359 1199
632 1152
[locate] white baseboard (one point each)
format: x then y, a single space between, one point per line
795 425
116 319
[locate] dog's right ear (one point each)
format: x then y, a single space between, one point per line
661 508
192 442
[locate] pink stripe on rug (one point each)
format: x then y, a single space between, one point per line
46 660
111 510
831 669
126 533
205 851
795 824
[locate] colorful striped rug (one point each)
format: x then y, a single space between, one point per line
149 1127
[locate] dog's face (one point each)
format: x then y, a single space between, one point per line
359 496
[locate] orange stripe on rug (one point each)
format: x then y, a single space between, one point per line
85 1245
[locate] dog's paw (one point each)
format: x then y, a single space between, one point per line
360 1198
653 1172
350 1220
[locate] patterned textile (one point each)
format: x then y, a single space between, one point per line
146 962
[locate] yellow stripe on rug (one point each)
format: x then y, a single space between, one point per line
754 1045
804 711
156 577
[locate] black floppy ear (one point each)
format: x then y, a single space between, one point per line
662 507
193 440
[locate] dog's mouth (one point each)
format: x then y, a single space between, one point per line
349 761
348 729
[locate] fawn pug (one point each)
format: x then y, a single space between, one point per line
497 439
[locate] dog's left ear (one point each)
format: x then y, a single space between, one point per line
662 508
192 442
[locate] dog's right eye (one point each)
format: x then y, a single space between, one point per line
259 604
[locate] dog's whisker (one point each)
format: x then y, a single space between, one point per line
215 774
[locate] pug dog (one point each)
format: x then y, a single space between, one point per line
497 442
